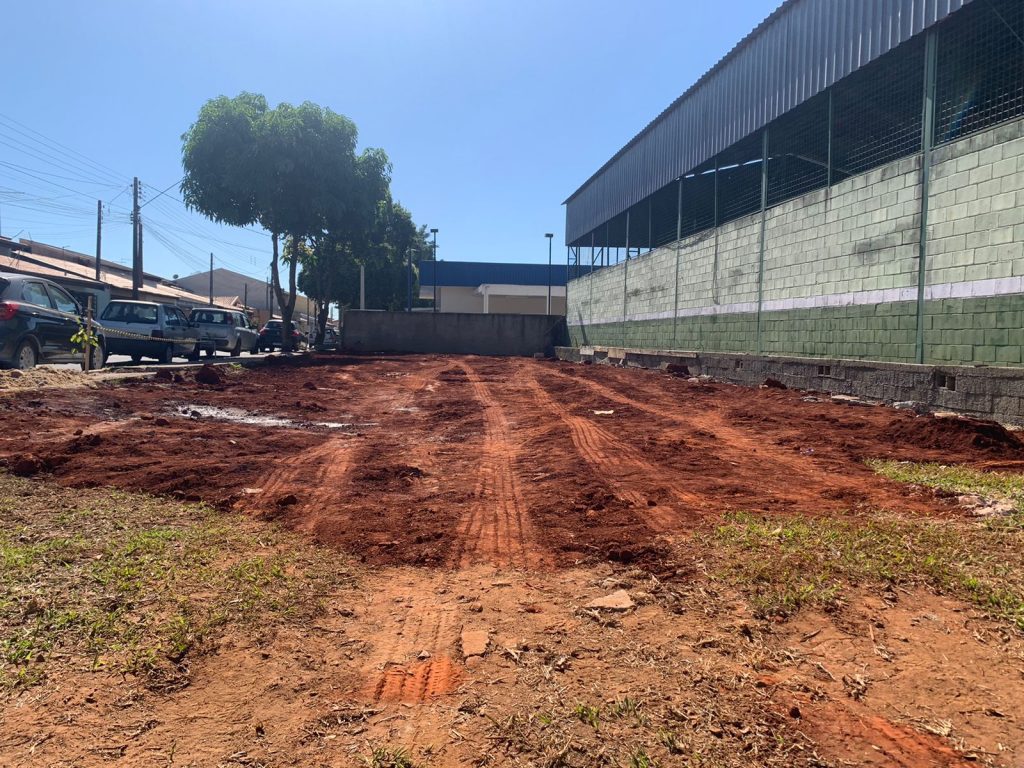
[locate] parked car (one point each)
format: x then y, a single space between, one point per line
270 336
331 340
37 320
225 329
148 329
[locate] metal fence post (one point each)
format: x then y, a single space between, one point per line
927 138
760 250
679 236
625 283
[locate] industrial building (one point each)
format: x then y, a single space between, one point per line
848 182
480 287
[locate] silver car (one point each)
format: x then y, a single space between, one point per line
148 329
227 330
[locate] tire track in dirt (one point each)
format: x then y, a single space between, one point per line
495 528
395 504
621 465
781 473
412 660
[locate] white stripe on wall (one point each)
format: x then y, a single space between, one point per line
962 290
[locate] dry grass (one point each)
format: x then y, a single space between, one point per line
783 564
103 579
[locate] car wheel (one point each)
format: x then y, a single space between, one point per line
255 349
97 358
26 357
211 351
167 354
238 349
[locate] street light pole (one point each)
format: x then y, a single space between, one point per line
409 280
434 266
549 236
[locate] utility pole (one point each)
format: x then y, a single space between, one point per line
409 282
433 232
245 293
211 279
550 236
141 281
136 249
362 286
99 235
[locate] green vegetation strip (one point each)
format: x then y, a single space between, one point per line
100 579
783 564
995 486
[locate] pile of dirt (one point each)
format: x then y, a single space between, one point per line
956 434
391 476
43 377
209 375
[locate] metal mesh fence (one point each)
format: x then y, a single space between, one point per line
739 182
980 77
664 207
798 151
877 112
698 200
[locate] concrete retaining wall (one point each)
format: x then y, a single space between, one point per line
992 393
840 270
451 332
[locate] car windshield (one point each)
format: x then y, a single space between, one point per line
126 312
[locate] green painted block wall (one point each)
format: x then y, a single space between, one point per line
840 270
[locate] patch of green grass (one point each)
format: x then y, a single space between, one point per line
785 564
638 758
955 479
136 584
588 714
385 757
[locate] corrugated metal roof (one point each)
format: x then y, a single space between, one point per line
470 274
797 52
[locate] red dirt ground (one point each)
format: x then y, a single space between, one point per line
454 461
457 462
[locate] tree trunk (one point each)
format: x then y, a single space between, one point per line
286 301
322 307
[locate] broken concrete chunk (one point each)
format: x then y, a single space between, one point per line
616 601
474 642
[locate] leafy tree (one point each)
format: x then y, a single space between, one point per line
293 170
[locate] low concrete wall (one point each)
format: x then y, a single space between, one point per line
452 332
992 393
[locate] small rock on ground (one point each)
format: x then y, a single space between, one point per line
616 601
474 642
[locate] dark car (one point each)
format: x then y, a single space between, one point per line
37 320
270 336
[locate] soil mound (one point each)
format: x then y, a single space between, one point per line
208 375
956 434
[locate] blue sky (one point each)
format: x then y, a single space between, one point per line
492 112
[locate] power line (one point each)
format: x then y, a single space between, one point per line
162 192
60 147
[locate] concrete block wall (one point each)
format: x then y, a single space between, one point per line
840 271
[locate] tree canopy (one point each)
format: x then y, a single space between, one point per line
292 170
